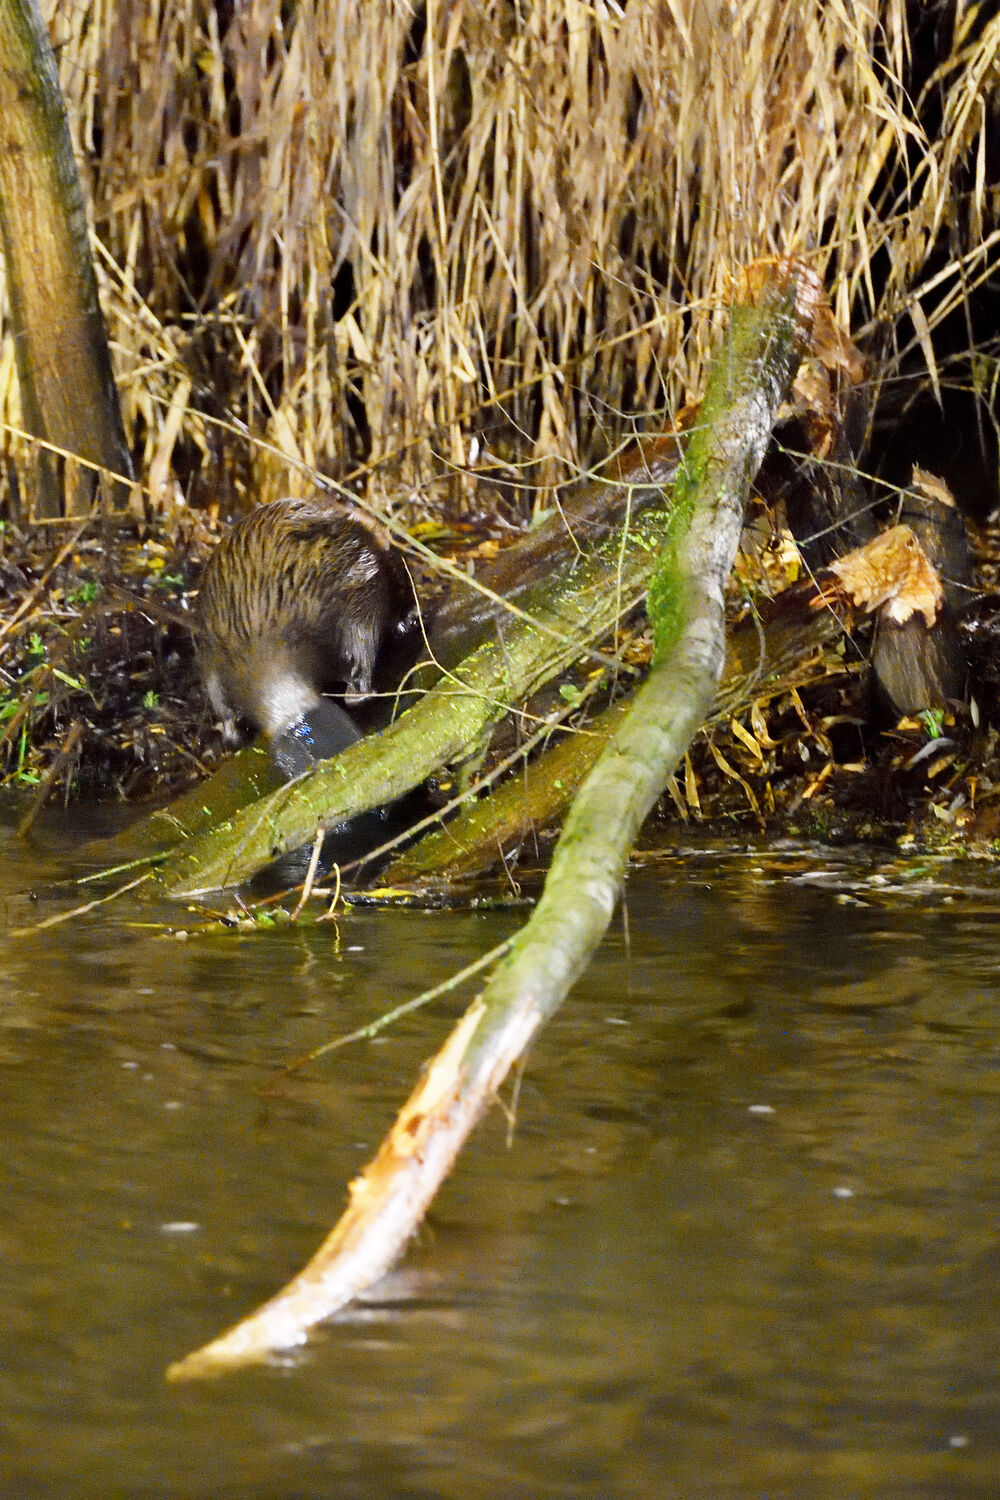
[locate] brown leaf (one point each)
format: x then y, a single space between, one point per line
831 369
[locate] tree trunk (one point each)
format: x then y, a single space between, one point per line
68 393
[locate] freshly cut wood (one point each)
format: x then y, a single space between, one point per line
917 654
893 575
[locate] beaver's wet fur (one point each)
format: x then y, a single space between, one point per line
300 599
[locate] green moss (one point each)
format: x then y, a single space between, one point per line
746 362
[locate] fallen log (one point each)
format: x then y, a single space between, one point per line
764 660
747 381
558 621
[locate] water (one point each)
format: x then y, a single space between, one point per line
743 1241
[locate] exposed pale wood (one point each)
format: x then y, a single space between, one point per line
387 1202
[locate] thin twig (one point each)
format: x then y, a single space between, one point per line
79 911
365 1033
307 884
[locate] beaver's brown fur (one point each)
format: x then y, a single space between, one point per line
298 600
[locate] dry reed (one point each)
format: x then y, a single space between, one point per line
347 233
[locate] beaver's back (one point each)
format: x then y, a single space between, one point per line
296 601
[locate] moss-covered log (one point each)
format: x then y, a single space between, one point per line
763 661
747 382
559 621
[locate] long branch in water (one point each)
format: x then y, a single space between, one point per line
749 377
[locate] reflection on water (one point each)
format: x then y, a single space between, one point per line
743 1243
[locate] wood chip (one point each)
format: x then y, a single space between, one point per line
894 573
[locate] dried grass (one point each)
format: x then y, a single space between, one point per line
364 232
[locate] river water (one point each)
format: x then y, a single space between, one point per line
742 1240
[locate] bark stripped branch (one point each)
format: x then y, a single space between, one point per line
748 379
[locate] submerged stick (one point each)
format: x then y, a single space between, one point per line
748 379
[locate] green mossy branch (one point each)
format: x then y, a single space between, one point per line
726 447
441 728
390 1198
797 651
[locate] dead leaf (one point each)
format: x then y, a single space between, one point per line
834 348
923 331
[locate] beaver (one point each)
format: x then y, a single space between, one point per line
300 599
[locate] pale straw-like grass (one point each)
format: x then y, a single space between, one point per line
370 232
